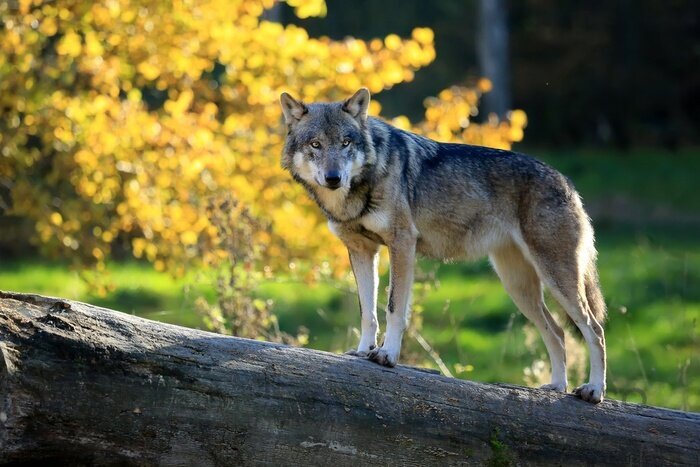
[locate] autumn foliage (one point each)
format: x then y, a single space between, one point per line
127 120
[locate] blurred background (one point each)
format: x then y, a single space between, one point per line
139 165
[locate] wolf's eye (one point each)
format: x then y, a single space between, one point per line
346 142
315 144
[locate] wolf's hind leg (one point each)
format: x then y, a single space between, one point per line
523 285
565 277
576 306
363 258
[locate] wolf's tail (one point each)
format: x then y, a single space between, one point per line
594 296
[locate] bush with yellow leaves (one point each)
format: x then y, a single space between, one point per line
124 119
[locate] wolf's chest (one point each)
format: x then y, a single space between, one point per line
378 221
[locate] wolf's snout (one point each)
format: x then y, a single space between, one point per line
332 180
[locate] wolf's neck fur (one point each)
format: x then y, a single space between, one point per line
344 204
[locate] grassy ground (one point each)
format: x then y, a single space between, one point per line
650 177
650 277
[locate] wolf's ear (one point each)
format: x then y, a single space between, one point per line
358 104
292 109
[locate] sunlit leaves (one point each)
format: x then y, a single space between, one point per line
123 119
70 44
448 118
307 8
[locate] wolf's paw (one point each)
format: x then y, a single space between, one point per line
554 387
360 353
383 357
590 392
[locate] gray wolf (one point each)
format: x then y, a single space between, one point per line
379 185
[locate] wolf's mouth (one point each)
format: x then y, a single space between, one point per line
330 184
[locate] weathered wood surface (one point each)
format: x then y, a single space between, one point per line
83 385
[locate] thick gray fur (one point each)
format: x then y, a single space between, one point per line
379 185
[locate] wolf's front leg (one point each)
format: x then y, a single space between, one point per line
364 267
402 254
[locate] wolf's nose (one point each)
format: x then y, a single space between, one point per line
333 179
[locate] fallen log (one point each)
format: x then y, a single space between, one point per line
83 385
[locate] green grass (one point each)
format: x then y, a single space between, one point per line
138 288
647 176
650 277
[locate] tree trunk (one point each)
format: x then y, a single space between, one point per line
493 55
82 385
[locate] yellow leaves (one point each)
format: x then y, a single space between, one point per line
446 95
459 368
402 122
149 70
138 245
201 138
255 61
93 46
515 134
63 134
87 188
114 40
392 42
375 84
181 104
98 254
64 14
484 85
56 218
432 114
308 8
518 118
447 118
70 45
392 72
423 36
48 27
148 111
356 48
375 107
188 237
24 6
163 179
134 95
230 125
151 251
303 340
102 104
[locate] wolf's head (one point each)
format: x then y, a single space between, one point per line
328 144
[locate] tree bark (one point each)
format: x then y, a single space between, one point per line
493 55
83 385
